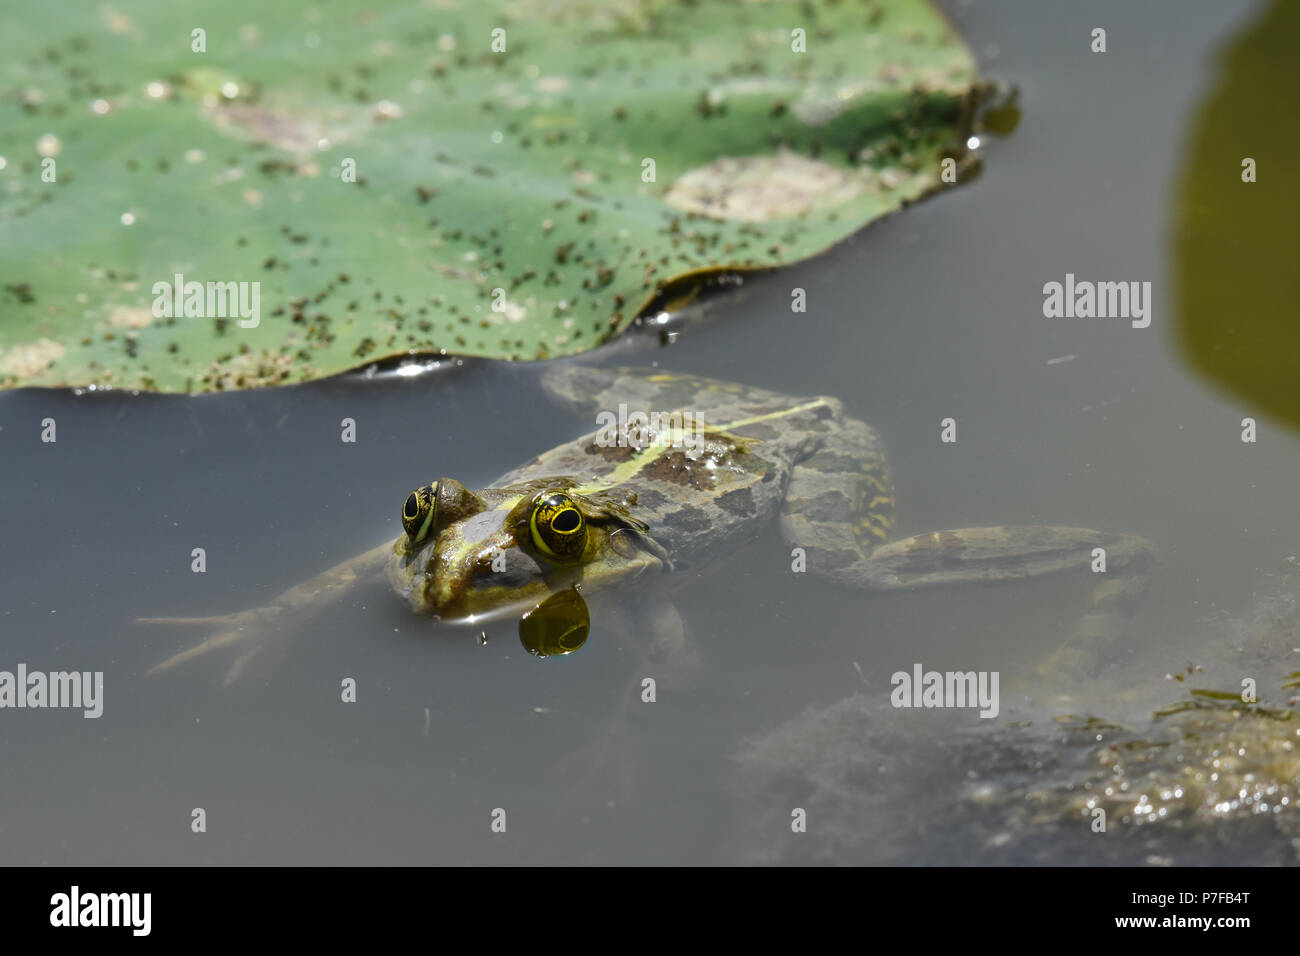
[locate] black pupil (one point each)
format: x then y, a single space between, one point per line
412 507
566 521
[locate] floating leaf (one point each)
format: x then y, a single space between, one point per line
501 154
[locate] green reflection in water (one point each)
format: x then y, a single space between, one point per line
1234 242
557 626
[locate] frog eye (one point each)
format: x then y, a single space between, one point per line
418 512
558 529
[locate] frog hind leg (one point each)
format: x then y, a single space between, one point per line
619 760
1023 552
842 517
839 505
230 630
245 630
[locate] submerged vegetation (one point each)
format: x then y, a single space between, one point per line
1207 769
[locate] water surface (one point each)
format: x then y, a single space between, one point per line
933 313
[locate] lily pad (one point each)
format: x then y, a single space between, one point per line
502 203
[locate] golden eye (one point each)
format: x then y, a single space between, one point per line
418 512
557 527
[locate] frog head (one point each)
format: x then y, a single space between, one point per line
468 555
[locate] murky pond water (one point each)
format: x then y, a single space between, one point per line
935 313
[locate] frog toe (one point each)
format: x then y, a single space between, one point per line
202 621
213 643
241 662
231 629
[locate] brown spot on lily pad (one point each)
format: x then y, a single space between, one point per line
252 369
760 188
130 317
258 124
31 358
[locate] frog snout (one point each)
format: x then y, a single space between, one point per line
508 567
481 581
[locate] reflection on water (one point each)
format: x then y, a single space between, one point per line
557 626
1234 219
933 314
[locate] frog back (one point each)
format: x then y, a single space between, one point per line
720 476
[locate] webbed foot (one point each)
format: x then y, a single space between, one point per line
248 630
231 630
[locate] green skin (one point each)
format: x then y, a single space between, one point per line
469 555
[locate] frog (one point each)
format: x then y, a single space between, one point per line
698 469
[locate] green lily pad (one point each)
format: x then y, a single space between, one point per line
500 205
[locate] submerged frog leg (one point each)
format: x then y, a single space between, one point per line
617 762
252 624
841 513
241 662
839 506
1017 553
235 628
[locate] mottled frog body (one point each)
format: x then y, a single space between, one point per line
680 496
681 472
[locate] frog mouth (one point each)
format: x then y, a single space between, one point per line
451 583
